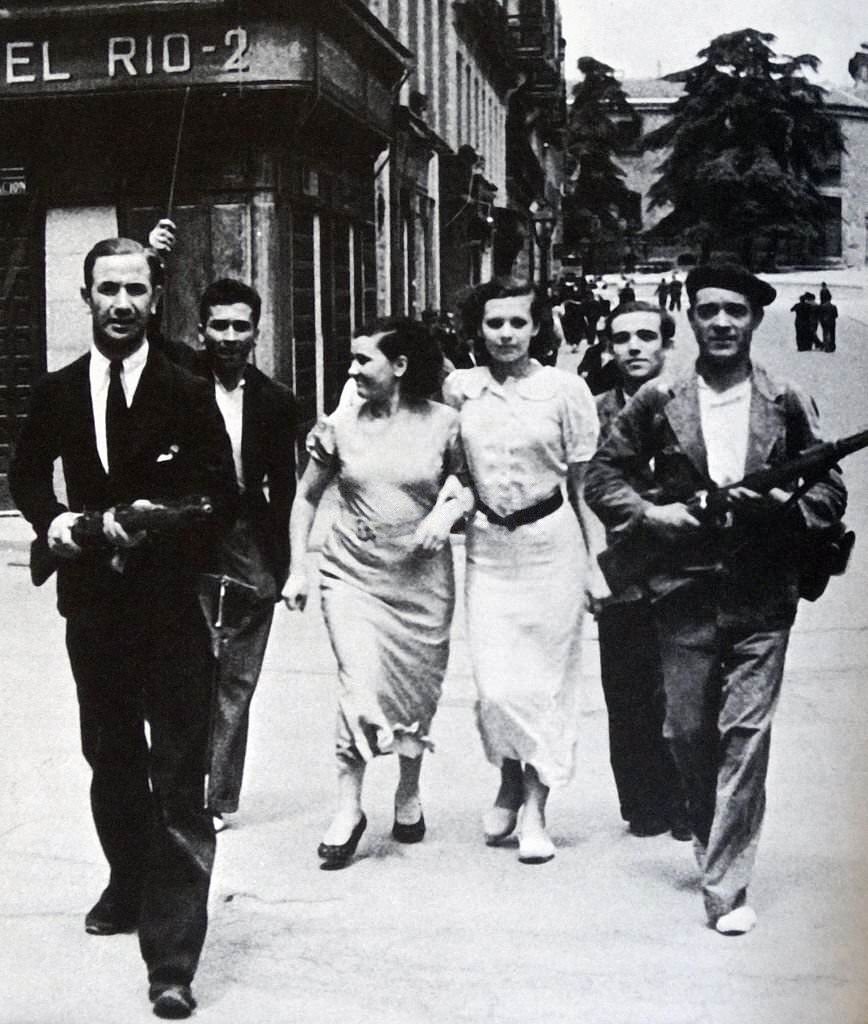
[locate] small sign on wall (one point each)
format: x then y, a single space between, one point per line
12 181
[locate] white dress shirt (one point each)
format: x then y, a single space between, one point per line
131 372
231 406
725 419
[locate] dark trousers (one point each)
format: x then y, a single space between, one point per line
828 336
722 686
240 665
242 557
147 801
645 776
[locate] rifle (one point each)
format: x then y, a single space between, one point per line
87 530
634 557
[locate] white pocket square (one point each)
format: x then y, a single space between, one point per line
170 454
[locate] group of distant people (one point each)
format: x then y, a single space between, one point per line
540 477
669 292
812 317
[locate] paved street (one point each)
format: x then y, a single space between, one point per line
611 932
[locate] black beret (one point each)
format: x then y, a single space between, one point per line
733 278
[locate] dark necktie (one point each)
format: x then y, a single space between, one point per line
115 417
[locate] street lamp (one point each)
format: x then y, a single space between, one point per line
543 218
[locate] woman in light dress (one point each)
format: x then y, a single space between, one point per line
386 570
527 431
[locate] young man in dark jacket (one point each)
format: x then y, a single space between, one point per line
724 596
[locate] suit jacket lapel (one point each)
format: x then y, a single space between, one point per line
767 422
81 419
151 406
682 412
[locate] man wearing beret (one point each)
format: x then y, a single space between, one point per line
724 596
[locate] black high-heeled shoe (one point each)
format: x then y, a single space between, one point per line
335 857
414 833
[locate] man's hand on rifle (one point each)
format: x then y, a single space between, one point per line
744 497
59 536
115 534
758 508
670 521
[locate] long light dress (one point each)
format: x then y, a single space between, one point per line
388 609
525 587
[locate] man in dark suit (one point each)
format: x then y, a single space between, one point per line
259 414
638 337
131 428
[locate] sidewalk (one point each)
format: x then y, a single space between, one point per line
450 931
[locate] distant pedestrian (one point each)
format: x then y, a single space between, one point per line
591 307
675 293
827 314
627 293
573 320
825 294
662 292
806 322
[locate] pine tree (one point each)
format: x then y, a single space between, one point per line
601 122
748 142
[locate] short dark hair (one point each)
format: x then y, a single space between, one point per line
667 323
472 306
414 340
122 247
226 291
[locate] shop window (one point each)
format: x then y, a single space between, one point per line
831 238
335 297
21 354
304 314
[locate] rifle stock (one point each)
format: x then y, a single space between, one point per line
633 556
87 531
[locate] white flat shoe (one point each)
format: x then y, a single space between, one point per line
737 922
535 848
498 823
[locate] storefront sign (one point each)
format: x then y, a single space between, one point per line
12 182
86 61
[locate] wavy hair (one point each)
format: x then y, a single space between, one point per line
401 336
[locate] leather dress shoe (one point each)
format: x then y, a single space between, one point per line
112 914
680 830
335 857
650 825
172 1002
414 833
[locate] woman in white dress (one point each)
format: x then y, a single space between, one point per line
386 570
527 431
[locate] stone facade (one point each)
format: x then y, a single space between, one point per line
845 187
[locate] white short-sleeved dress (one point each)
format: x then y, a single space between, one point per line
388 609
525 587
